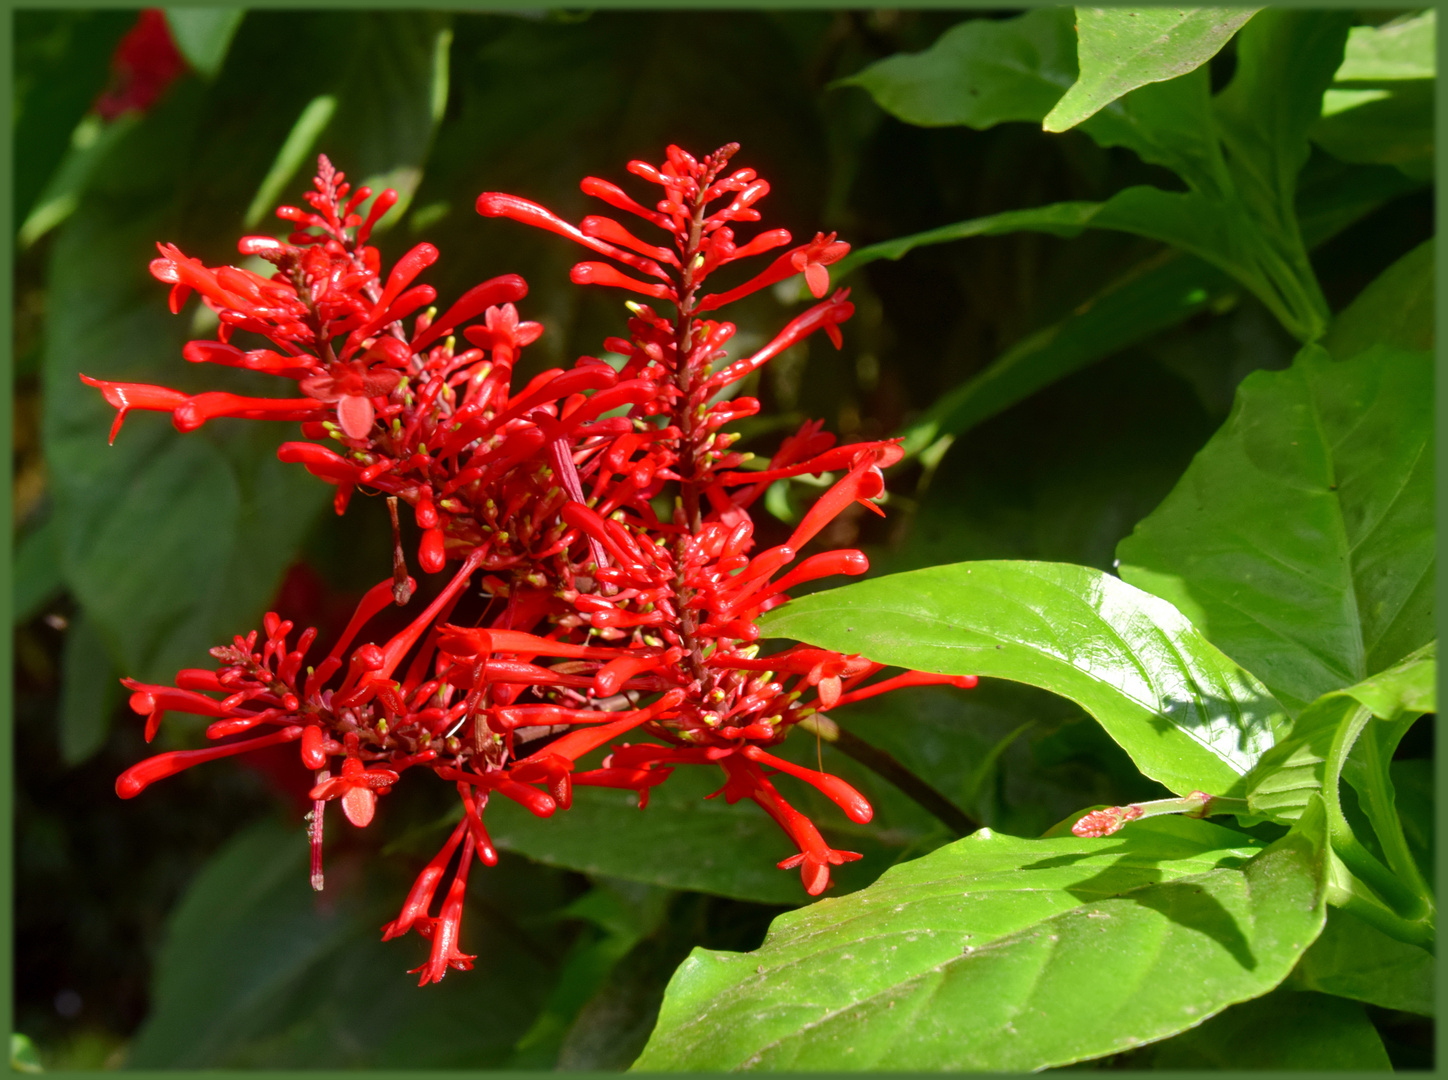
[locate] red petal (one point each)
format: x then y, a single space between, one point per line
359 804
355 414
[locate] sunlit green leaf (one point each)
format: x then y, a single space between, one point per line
1400 49
1188 716
1120 49
1301 539
1007 954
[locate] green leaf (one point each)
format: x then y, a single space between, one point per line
203 35
24 1057
257 971
35 575
980 72
91 144
1301 539
1057 219
1390 125
1285 60
1353 960
90 689
1007 954
1189 717
1338 737
1152 297
1284 1030
1395 309
1286 776
61 64
1401 49
294 153
1122 48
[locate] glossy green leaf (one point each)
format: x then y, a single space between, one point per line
258 971
1007 954
203 35
1400 49
981 72
1396 309
1353 960
1120 49
1301 539
89 693
1285 1030
1187 715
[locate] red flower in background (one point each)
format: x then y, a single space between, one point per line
145 63
607 620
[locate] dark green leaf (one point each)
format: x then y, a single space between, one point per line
1415 795
1057 219
1188 716
61 65
258 971
1284 1030
36 572
1390 125
1152 297
1120 49
204 34
980 73
89 692
1000 953
1301 538
90 146
1353 960
1396 309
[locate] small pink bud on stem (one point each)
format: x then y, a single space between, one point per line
1198 804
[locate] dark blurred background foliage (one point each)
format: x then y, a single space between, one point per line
177 930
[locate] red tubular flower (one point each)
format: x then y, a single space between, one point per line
604 621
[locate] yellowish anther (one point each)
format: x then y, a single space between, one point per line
635 307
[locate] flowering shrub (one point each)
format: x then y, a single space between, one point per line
607 615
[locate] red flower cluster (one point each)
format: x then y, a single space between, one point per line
145 63
607 617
